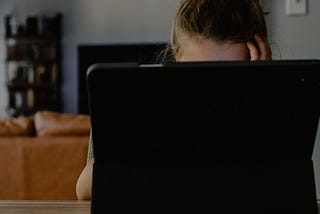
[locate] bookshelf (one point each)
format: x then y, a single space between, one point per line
33 65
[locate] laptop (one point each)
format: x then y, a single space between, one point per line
204 137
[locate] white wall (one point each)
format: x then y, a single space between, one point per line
94 21
294 37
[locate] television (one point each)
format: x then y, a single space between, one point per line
141 53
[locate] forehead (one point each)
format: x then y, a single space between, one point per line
201 49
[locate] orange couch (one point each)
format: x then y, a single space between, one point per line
41 157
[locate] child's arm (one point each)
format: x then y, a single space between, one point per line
84 183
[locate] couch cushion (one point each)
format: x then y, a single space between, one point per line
48 123
21 126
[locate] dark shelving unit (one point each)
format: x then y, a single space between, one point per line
33 65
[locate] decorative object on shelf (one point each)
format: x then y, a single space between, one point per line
33 64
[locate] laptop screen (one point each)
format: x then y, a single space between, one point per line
242 132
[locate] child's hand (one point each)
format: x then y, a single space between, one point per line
262 50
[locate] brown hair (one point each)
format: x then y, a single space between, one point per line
221 20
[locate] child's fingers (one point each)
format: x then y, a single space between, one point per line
254 53
263 46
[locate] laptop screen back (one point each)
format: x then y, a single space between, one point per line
205 136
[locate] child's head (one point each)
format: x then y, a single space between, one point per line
222 21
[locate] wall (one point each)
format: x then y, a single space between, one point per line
94 21
294 37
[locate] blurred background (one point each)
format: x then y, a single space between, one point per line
53 34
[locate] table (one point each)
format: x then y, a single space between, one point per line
45 207
49 207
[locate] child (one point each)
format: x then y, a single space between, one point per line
208 30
